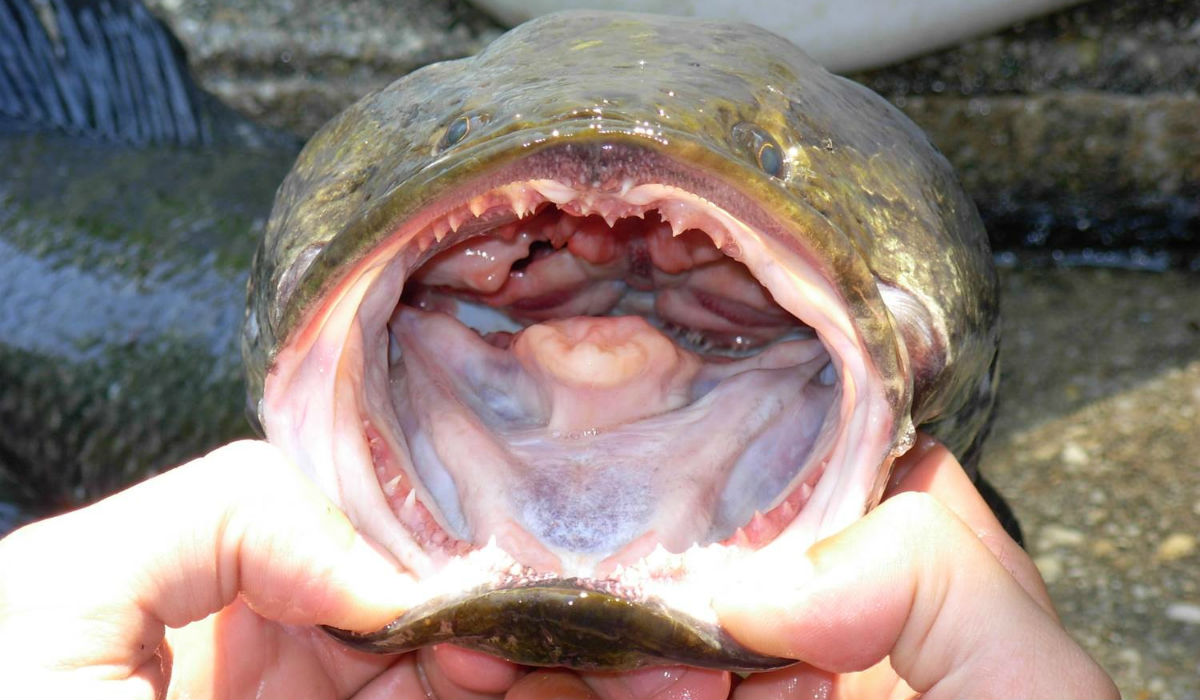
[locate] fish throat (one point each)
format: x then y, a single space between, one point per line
589 378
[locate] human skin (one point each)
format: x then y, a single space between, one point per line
208 581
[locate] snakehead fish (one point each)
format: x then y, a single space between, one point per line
573 326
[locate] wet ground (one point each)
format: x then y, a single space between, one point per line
1097 446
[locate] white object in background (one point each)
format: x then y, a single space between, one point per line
843 35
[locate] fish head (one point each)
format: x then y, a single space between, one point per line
573 327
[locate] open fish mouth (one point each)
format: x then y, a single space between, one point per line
578 326
570 394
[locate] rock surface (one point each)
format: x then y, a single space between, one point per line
293 64
1096 447
1077 130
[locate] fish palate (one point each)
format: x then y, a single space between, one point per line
574 327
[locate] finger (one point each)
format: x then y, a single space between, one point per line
402 680
99 584
805 681
475 670
797 681
454 672
274 538
661 682
913 582
551 685
929 467
235 653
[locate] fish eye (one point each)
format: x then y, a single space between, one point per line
770 160
460 128
762 146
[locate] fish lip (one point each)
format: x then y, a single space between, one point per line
580 626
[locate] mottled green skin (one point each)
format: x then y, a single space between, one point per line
864 197
121 294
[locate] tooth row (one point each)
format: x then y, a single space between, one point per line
681 210
763 528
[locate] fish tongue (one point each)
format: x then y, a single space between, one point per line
604 371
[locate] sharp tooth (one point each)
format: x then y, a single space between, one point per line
804 492
440 230
642 195
478 205
554 191
410 503
526 201
389 489
675 216
787 511
455 219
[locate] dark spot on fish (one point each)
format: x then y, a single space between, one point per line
761 146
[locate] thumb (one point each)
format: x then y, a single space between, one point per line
912 583
92 590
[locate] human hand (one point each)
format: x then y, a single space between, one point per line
925 595
184 545
209 581
238 544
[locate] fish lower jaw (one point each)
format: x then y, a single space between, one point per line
510 556
642 573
